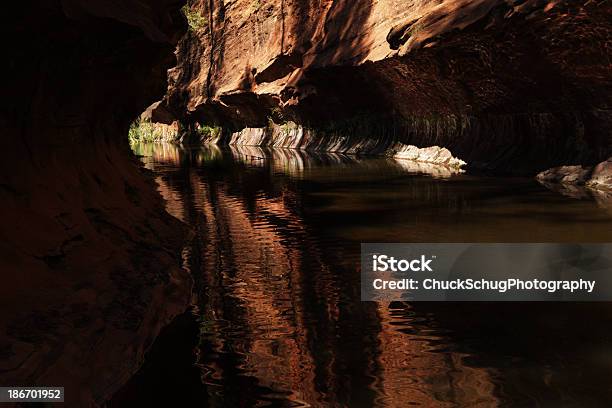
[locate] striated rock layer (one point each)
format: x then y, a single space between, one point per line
512 85
90 261
292 136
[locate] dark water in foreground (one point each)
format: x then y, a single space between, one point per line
277 319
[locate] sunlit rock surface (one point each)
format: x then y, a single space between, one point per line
292 136
430 155
515 86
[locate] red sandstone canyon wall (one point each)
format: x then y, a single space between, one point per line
89 260
511 85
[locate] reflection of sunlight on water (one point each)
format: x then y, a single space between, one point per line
286 161
174 202
433 170
255 259
256 271
413 371
278 285
274 305
174 154
296 162
603 198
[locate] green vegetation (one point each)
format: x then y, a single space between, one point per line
195 20
209 132
287 127
141 131
145 131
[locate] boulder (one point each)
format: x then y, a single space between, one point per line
566 175
580 182
601 178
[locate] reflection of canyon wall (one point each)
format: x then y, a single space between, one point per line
513 85
297 163
285 161
441 374
89 259
262 279
277 320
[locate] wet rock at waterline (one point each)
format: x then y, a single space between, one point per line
598 177
293 136
566 175
581 182
432 155
601 177
295 161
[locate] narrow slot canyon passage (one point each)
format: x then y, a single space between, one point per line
186 187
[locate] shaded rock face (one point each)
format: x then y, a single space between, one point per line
515 86
90 260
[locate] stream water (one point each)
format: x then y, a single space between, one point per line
277 318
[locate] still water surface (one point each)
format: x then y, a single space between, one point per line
277 317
